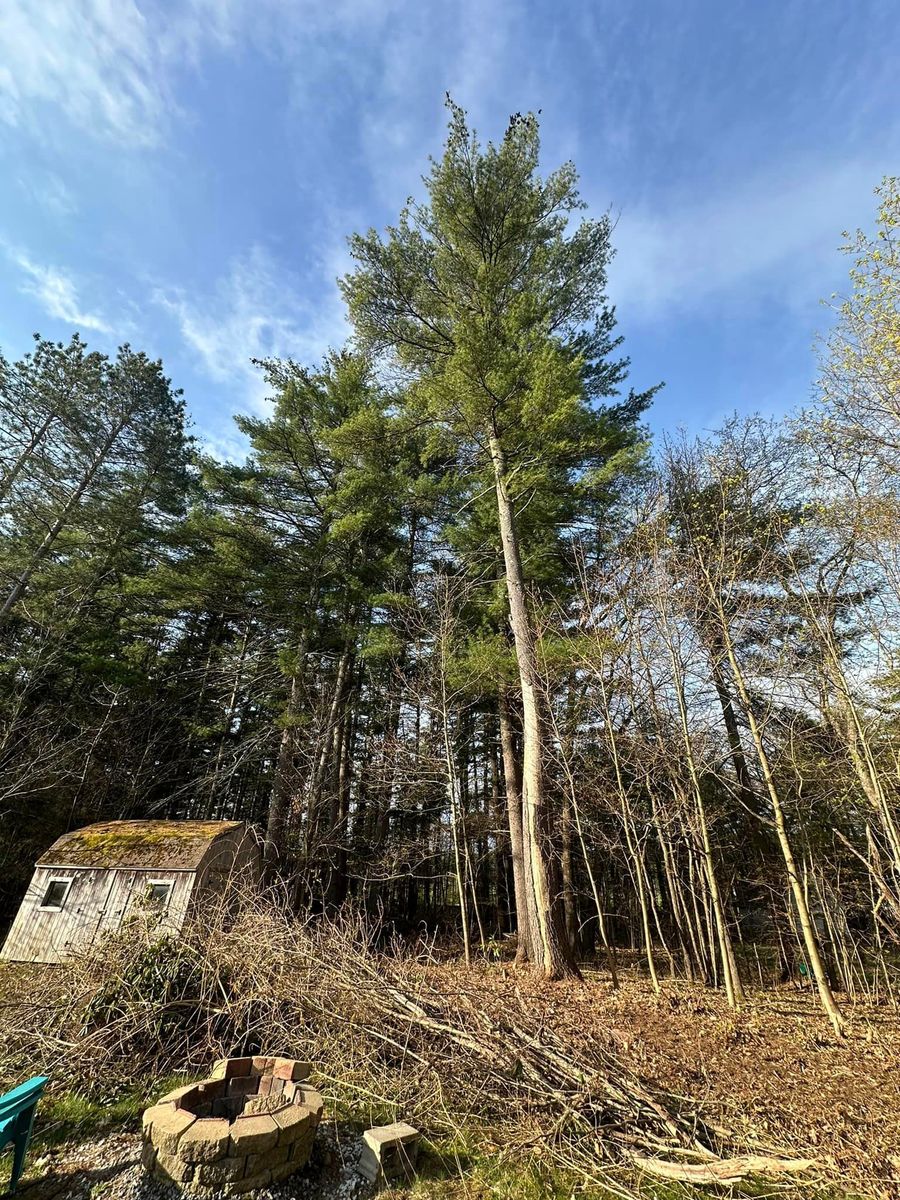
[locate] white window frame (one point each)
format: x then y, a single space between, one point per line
68 880
167 883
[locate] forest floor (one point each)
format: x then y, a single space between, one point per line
773 1075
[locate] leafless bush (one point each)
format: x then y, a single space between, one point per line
389 1033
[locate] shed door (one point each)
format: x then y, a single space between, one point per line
129 890
115 901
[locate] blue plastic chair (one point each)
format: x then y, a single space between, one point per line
17 1109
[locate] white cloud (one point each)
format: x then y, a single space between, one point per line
775 238
57 294
258 311
50 192
93 62
110 67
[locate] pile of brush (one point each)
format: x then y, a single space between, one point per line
388 1030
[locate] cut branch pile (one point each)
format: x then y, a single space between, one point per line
387 1035
589 1109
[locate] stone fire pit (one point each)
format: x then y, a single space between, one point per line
251 1123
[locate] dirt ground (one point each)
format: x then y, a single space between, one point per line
774 1074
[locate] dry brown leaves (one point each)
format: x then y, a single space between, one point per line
773 1075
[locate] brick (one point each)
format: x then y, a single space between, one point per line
222 1171
291 1068
152 1114
168 1127
251 1183
243 1085
227 1068
187 1090
292 1120
311 1099
205 1141
253 1135
263 1064
211 1089
171 1167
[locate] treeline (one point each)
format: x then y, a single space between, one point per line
461 647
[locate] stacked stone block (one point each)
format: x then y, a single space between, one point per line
251 1123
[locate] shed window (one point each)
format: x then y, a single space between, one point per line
159 891
56 893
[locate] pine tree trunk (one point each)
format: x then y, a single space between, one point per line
283 786
10 476
59 524
512 779
553 954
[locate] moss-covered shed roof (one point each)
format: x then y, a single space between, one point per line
163 845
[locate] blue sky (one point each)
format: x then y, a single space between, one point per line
184 175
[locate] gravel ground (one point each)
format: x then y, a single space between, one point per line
110 1168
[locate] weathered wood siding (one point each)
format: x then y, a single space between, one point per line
233 862
97 901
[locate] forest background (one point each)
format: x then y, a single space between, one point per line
466 649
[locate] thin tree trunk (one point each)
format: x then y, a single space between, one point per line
59 524
806 924
10 476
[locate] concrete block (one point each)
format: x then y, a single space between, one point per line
253 1135
224 1170
168 1128
205 1141
251 1182
389 1152
171 1167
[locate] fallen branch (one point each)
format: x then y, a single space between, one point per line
723 1170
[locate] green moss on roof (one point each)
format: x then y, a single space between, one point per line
168 845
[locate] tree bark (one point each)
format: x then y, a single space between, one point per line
553 954
513 780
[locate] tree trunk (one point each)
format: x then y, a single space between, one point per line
553 953
806 923
10 476
283 786
59 524
512 779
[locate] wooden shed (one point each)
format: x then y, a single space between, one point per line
89 880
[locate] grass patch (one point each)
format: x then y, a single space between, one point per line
457 1168
64 1117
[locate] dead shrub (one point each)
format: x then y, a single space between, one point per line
387 1036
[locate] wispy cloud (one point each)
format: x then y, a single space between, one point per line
48 190
93 64
775 237
110 67
57 294
259 310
